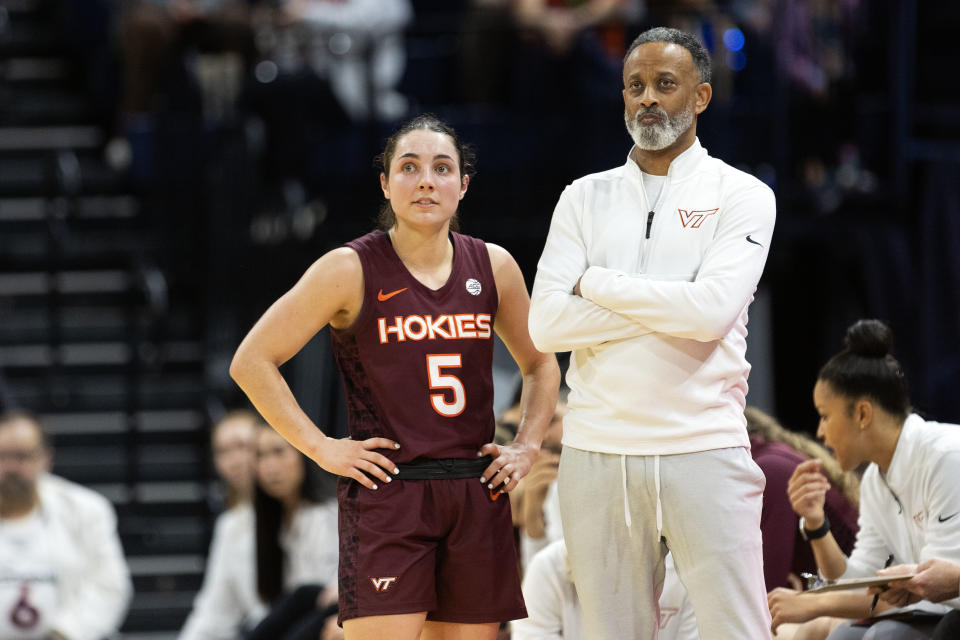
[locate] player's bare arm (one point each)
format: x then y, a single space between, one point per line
330 292
541 376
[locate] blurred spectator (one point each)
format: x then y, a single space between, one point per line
558 23
327 64
358 45
554 609
569 46
271 555
319 60
154 37
535 503
232 440
62 571
814 45
777 451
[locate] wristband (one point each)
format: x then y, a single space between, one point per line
817 533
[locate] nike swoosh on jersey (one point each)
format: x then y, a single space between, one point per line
752 241
383 297
940 518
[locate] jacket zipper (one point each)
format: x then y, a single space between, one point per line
645 257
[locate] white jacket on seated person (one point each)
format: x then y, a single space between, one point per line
553 608
62 567
228 602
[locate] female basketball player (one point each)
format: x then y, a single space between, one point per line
426 543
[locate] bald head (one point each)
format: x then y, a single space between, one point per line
28 422
24 455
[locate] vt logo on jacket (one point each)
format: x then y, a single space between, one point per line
693 219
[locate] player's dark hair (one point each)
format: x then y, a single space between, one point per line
426 122
866 368
701 57
269 521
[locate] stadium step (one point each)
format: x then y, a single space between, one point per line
91 340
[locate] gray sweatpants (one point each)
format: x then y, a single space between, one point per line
621 514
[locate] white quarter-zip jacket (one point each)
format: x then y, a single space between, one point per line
658 336
912 511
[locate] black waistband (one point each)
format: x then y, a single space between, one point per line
443 468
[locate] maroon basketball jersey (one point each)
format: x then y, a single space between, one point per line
417 363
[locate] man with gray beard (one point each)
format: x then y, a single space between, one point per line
646 276
62 571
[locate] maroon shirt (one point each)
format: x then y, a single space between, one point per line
417 363
784 550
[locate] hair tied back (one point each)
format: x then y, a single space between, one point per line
869 339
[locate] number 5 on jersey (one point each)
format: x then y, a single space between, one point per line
436 363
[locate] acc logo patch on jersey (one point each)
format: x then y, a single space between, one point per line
383 584
473 287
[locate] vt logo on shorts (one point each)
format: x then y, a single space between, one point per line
693 219
382 584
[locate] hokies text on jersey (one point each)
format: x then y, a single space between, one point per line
443 327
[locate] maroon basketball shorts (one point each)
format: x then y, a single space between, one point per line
441 546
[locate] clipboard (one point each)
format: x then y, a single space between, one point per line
860 583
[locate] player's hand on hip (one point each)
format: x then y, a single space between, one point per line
807 490
511 462
358 459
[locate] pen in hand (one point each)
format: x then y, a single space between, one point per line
876 596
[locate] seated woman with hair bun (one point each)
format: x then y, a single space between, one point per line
909 495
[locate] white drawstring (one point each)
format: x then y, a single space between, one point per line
656 475
626 502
